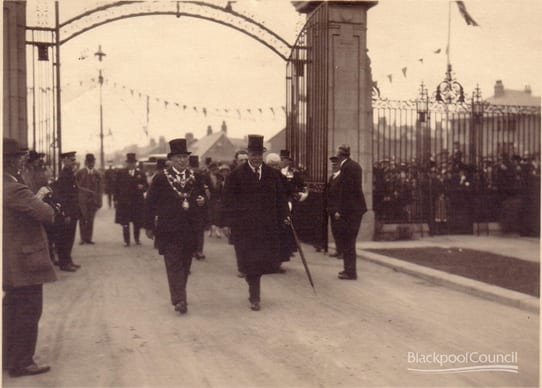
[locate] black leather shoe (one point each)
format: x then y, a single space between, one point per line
32 369
68 268
346 276
138 242
336 254
90 242
255 306
82 242
181 307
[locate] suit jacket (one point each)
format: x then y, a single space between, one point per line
66 193
255 211
90 187
129 196
164 212
26 260
344 194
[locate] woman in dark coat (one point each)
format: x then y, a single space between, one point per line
255 208
130 187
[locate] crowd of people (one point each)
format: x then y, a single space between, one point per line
446 186
248 202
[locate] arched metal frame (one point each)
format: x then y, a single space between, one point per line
65 31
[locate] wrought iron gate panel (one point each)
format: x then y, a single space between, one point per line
477 159
306 131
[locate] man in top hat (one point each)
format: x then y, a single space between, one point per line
66 193
171 211
90 185
255 209
202 212
129 199
346 205
26 265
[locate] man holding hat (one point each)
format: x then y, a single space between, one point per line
65 193
255 209
346 206
171 212
129 198
26 265
90 185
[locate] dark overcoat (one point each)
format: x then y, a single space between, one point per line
165 215
344 194
25 251
129 197
255 210
66 193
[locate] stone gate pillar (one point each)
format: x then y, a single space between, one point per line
349 107
15 121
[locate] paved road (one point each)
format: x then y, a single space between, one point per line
111 324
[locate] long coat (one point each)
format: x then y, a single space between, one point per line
25 252
65 192
90 188
255 211
164 212
130 196
344 194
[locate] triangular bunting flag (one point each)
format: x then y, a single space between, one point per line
420 60
390 77
404 70
437 51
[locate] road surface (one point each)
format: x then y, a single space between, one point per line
111 325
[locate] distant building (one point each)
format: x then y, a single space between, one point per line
215 145
504 96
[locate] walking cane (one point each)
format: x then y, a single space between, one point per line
302 255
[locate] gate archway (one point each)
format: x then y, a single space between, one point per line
48 137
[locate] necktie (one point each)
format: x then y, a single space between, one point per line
257 173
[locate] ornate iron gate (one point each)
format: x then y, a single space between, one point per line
453 165
306 133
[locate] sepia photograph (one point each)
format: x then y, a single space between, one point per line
271 193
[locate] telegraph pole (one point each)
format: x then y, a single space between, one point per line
100 54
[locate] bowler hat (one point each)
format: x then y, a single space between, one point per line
178 147
193 161
344 150
255 143
69 154
131 157
285 154
90 158
12 147
33 155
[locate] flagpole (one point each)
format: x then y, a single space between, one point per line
449 31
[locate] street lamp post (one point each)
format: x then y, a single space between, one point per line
477 125
422 109
100 54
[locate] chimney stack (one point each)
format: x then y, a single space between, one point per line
189 138
209 130
499 89
224 127
528 90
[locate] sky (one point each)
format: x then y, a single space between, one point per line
202 64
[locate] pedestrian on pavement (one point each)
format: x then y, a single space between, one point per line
255 209
346 206
201 219
90 185
65 193
240 157
109 183
171 211
336 225
129 198
26 265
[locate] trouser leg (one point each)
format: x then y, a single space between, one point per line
90 225
178 261
349 244
253 287
64 238
200 240
126 234
137 229
83 221
22 307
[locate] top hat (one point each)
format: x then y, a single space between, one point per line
178 147
69 154
285 154
12 147
131 157
255 143
193 161
344 150
90 158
